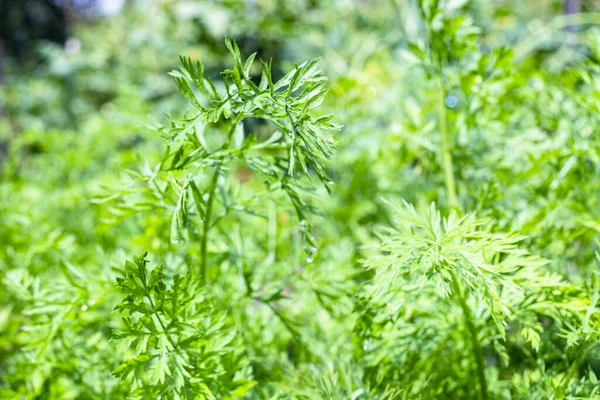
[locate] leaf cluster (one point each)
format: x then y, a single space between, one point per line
183 349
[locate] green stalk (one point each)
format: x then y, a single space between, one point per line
447 163
209 205
475 345
560 392
206 228
160 321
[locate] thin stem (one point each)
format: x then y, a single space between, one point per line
153 305
206 227
286 324
475 345
447 162
209 204
564 384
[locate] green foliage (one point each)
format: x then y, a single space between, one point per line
455 257
444 282
304 136
183 349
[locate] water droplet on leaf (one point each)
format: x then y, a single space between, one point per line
451 101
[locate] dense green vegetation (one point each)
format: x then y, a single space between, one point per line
191 208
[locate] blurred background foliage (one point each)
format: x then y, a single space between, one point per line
85 89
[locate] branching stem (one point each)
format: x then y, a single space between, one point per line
460 296
158 318
209 204
564 384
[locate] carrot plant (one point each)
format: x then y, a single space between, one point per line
464 292
208 253
194 180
